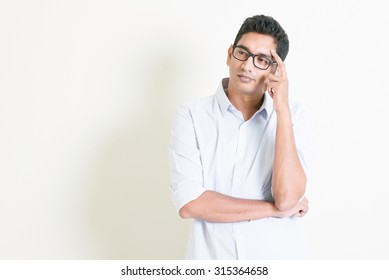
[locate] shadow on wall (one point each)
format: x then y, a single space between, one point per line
132 215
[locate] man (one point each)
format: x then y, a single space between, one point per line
238 158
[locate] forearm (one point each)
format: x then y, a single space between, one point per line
216 207
289 179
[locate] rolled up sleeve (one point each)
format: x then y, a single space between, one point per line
186 175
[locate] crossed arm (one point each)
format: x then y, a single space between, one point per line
216 207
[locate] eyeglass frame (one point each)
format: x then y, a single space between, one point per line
272 62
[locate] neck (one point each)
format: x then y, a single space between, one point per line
247 104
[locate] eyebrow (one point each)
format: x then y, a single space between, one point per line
247 49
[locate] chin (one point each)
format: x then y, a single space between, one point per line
246 88
249 91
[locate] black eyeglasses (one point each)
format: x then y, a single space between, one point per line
260 61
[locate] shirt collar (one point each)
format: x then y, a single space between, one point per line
267 106
222 99
225 104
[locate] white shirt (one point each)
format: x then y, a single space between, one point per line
213 148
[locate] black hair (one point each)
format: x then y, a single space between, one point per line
268 26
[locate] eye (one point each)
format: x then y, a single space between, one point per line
262 60
242 53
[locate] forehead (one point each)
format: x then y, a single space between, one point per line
257 43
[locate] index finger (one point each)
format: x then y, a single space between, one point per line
279 61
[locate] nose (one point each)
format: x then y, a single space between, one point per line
248 64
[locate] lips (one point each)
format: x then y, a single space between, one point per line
245 78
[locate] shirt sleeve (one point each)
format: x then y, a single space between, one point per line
186 175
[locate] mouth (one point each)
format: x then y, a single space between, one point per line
245 78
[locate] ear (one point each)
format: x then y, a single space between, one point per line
229 54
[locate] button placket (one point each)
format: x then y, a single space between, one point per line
237 177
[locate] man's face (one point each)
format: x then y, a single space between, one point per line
245 78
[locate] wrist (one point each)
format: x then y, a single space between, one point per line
283 112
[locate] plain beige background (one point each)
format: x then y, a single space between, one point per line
88 90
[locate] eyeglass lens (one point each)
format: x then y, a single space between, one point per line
260 61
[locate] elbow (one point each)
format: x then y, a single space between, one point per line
287 200
288 193
194 208
285 204
185 212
